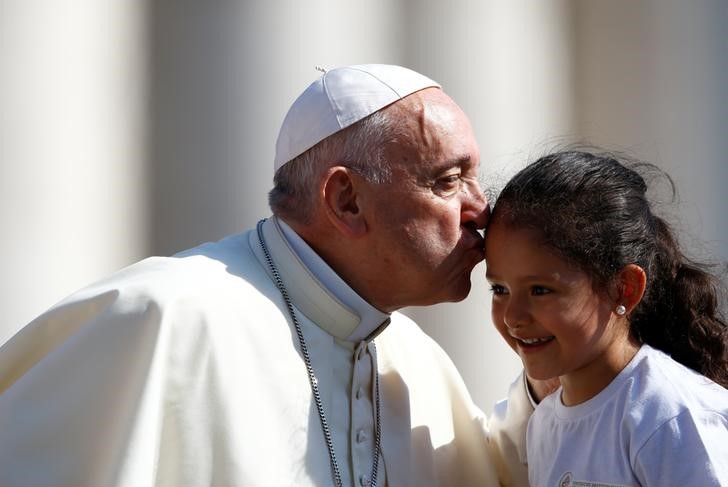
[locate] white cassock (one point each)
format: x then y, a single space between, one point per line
187 371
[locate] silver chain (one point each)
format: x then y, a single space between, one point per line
314 381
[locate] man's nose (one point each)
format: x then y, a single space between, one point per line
475 208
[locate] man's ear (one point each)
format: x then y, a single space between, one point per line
342 201
631 283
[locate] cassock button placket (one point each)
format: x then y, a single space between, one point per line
362 347
363 421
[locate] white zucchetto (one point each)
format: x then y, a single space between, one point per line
339 98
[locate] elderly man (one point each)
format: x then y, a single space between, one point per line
276 357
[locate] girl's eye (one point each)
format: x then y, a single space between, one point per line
539 290
498 289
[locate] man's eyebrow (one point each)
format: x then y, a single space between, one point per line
457 162
460 161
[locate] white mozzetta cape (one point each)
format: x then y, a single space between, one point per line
186 371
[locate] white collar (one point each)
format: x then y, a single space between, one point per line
315 289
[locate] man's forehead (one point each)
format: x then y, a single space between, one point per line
443 115
421 165
426 102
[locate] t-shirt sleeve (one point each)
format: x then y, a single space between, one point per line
688 449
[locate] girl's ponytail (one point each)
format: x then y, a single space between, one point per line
685 295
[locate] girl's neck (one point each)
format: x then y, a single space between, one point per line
581 385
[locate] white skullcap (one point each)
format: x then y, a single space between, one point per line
339 98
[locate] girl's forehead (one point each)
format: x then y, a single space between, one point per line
515 248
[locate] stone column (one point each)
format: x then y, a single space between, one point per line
71 148
653 80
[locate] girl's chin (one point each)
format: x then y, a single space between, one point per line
540 374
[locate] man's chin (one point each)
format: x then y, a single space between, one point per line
454 290
460 292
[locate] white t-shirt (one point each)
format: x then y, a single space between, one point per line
657 423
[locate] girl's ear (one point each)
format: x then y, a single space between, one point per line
631 283
341 201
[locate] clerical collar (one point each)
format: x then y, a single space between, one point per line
317 291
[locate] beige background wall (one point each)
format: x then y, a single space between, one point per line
130 128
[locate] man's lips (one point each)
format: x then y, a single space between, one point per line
473 239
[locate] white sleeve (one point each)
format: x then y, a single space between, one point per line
79 403
689 449
507 426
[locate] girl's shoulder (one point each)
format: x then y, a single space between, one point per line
668 379
677 418
661 389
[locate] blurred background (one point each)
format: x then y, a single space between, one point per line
130 128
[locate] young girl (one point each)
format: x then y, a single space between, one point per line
590 286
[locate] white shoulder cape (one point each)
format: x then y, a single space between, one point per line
185 371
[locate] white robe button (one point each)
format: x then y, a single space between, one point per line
359 392
363 481
361 436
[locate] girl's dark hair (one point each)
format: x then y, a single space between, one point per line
593 211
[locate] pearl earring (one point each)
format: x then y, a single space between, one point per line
621 310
